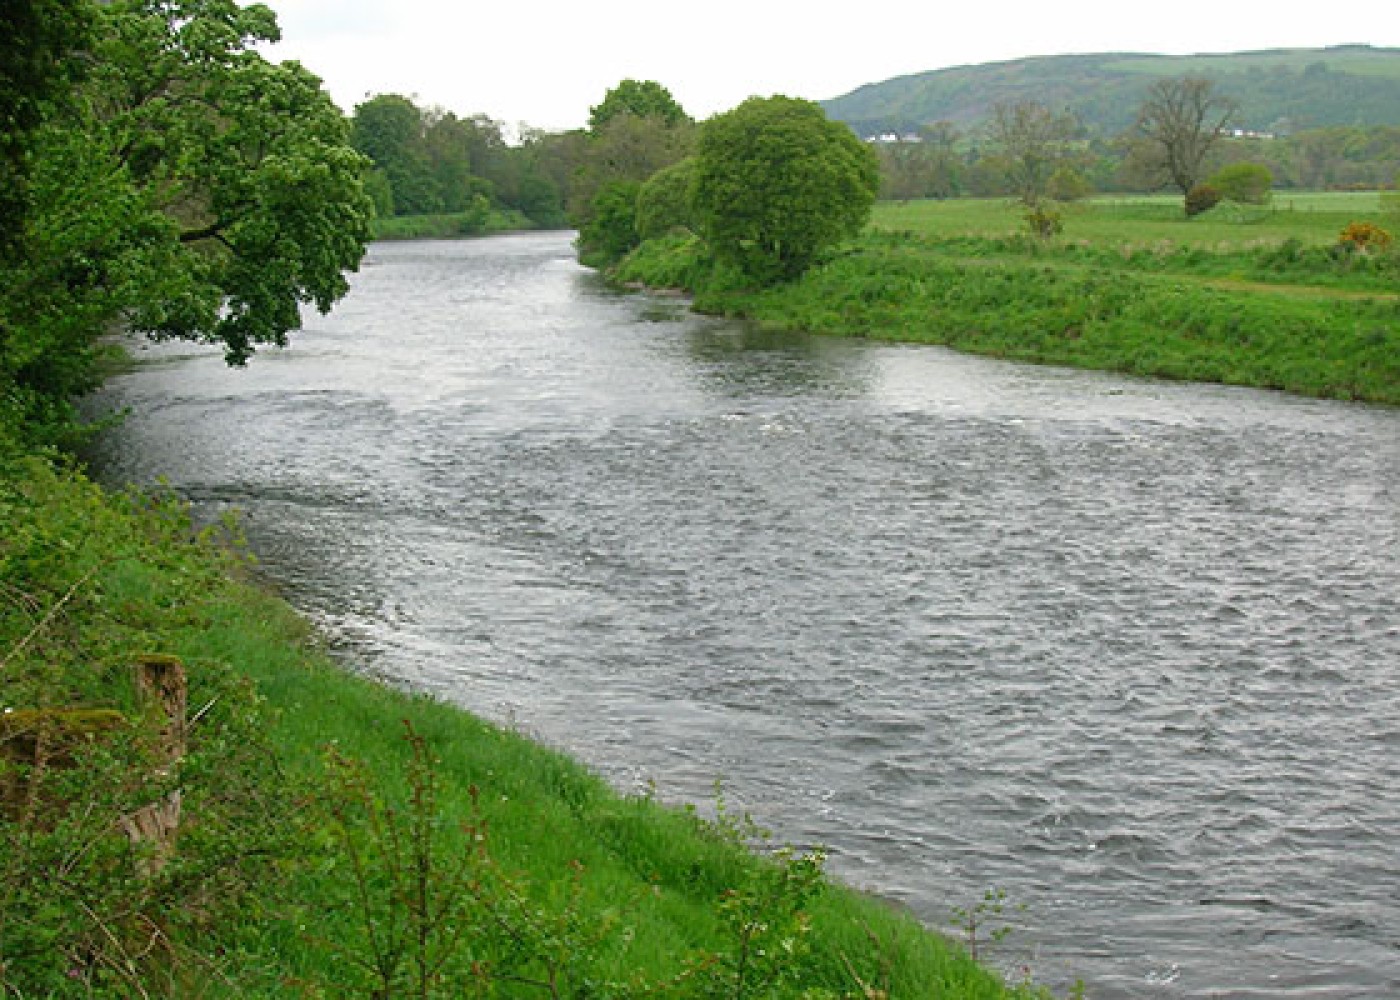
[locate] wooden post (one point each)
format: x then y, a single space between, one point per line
163 692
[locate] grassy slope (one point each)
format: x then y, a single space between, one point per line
1130 287
1359 86
260 899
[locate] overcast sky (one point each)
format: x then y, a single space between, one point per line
545 62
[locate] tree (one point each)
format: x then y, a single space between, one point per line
776 182
611 229
1246 183
1179 122
641 99
637 130
37 38
1033 139
195 191
923 167
389 129
663 203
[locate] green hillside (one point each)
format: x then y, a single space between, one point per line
1277 90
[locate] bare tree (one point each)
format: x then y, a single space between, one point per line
1181 119
1035 141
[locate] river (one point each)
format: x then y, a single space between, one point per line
1127 651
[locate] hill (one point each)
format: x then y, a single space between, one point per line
1278 90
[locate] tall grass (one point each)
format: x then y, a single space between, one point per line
343 839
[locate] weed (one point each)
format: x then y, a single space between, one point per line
985 923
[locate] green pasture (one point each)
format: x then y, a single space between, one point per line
1266 297
1314 218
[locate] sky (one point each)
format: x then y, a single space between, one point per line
545 63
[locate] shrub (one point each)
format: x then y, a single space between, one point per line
1044 222
1068 184
1363 237
1202 198
663 204
1247 183
612 230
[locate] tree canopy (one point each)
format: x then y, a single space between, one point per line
1034 140
430 161
776 182
638 130
1179 122
641 99
191 189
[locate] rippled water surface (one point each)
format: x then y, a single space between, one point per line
1128 651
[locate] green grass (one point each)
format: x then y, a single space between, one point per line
1130 286
285 854
1313 217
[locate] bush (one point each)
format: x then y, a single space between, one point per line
1044 222
663 204
612 230
1364 237
1068 184
1202 198
1247 183
777 182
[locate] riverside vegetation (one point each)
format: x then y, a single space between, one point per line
270 825
341 838
1284 296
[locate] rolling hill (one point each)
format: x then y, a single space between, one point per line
1278 90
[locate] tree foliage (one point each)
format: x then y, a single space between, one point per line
1034 139
611 229
926 165
640 131
640 99
776 182
429 161
192 189
1179 123
663 203
37 38
1246 183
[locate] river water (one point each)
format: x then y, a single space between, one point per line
1127 651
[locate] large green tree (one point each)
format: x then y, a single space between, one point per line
39 40
390 130
191 190
776 182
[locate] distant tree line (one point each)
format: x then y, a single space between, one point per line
943 160
429 161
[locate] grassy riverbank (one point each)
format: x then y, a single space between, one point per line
446 226
339 837
1268 299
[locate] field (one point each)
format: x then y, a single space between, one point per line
1314 218
1265 297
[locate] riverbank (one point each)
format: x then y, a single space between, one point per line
340 837
1285 308
450 225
